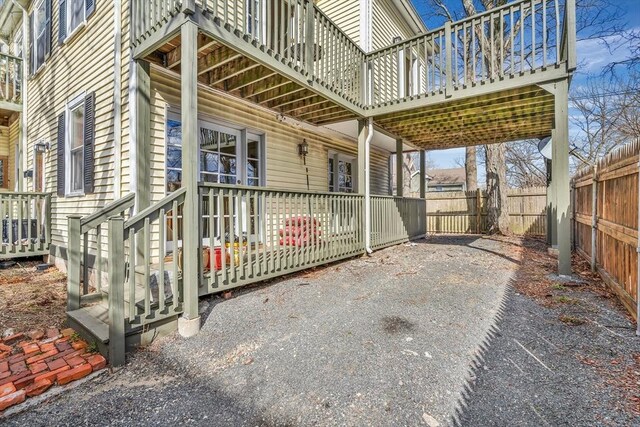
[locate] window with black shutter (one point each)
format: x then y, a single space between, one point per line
73 15
76 140
40 37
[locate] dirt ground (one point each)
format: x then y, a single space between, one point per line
31 299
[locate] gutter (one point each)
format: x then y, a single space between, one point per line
25 97
367 188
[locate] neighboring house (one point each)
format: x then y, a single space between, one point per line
439 180
160 150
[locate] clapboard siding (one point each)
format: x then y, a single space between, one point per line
345 14
84 64
387 24
284 168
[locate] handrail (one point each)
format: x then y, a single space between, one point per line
102 215
277 190
134 223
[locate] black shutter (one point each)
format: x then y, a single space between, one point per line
62 24
89 140
48 31
31 54
61 154
90 7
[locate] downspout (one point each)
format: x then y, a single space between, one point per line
23 116
367 188
117 99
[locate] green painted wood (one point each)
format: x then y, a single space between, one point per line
101 216
116 292
74 257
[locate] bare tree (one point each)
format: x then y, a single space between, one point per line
525 166
471 168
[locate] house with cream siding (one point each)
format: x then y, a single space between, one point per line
162 150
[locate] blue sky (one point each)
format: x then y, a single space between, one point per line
593 55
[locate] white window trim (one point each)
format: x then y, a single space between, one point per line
34 54
81 25
338 156
71 105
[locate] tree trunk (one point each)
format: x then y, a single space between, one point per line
497 210
471 168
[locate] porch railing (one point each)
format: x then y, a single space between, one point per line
10 78
26 224
396 219
293 32
87 252
252 234
503 43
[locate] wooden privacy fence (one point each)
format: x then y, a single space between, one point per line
465 212
605 213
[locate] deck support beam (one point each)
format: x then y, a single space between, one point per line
399 168
365 135
560 186
423 174
189 323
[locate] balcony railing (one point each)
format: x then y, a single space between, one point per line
26 224
10 78
519 38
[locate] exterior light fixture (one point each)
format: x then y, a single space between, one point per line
41 147
303 149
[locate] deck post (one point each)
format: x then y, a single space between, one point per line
423 174
116 291
399 168
189 323
73 263
560 173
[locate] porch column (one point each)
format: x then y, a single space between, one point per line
189 322
560 176
399 168
423 174
365 135
142 135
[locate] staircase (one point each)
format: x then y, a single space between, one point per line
124 288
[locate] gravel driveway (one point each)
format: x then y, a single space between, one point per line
385 340
395 339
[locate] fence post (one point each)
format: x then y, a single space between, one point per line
116 291
73 263
479 211
594 219
638 260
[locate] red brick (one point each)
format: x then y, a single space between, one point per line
18 358
12 399
56 364
53 333
4 375
4 347
47 347
4 366
79 345
4 355
51 375
48 340
38 387
74 374
73 354
36 335
76 361
63 346
13 338
63 339
36 368
23 382
63 354
67 332
14 377
31 348
18 367
42 356
97 362
7 389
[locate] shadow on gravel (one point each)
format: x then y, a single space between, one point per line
557 354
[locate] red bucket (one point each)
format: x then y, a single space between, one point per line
217 258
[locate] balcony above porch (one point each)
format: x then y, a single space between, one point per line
475 81
10 83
